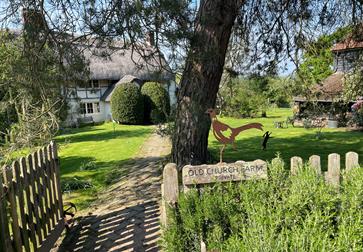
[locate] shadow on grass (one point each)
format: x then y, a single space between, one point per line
128 213
249 149
135 228
85 135
105 175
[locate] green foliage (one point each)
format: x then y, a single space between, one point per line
156 102
237 99
280 90
248 97
353 84
31 76
88 166
282 213
358 117
73 184
127 104
318 59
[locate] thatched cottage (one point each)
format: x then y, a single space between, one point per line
110 67
346 55
110 64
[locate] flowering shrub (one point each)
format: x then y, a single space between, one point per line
358 112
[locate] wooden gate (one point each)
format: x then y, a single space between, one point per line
31 208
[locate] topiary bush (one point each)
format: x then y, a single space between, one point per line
127 104
156 101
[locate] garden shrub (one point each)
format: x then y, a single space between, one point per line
282 213
240 99
358 112
156 102
127 104
75 183
88 166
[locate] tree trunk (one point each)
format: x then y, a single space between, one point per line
201 78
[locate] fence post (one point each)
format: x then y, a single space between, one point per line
170 189
203 246
5 242
315 163
19 189
333 174
57 178
30 206
351 160
296 163
8 177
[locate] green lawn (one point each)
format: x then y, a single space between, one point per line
101 150
288 141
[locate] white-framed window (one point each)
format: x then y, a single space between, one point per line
89 108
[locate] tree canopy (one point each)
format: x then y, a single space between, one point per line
201 38
317 59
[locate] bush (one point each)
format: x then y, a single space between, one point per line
156 101
88 166
283 213
127 104
74 184
239 99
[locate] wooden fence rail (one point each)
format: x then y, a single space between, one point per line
31 208
170 186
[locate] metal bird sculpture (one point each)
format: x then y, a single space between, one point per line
225 134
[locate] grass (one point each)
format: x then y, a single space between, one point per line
96 154
289 142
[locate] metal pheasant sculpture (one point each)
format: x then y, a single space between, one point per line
225 134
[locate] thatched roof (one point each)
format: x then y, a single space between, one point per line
113 60
331 87
115 63
126 79
348 44
328 90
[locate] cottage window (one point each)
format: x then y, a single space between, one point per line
90 108
83 108
93 84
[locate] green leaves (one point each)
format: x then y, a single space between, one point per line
283 213
127 104
318 58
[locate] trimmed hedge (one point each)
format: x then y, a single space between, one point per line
127 104
156 102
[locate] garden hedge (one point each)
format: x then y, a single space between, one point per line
156 102
127 104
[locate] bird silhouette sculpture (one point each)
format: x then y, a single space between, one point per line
225 134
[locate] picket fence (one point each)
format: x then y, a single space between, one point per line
31 208
170 187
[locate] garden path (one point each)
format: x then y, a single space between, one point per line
126 215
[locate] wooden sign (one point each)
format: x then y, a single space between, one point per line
240 170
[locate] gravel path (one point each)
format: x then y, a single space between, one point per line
126 216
